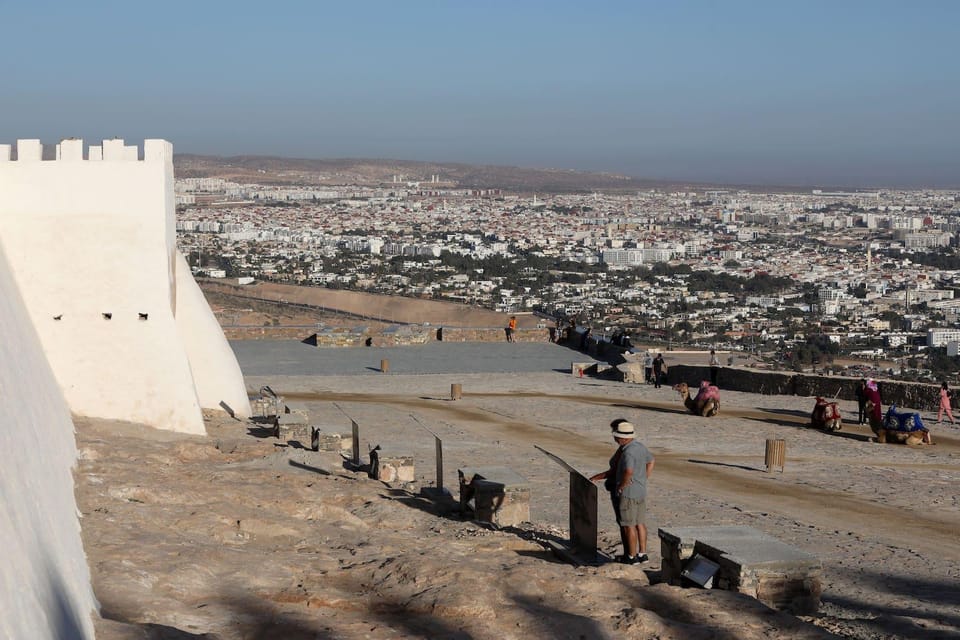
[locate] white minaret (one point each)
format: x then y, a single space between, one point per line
869 257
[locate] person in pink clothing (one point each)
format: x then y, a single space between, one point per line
944 403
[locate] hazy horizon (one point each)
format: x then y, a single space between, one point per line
860 94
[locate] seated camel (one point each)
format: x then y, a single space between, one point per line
903 427
706 403
825 415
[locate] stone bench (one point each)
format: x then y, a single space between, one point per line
293 426
500 495
390 466
750 561
324 440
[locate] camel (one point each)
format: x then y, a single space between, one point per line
898 426
707 402
825 415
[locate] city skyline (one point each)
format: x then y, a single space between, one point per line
859 94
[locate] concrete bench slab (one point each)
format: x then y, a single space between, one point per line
500 495
390 466
751 562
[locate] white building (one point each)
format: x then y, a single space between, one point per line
939 337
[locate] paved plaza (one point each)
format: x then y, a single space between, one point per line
293 358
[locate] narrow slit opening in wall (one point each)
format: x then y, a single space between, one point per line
107 315
143 316
58 317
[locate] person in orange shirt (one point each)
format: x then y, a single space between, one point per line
511 329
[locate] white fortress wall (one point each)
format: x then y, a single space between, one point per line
91 244
216 372
45 587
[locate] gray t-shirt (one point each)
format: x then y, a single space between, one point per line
635 456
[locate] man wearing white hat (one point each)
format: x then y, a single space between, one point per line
633 469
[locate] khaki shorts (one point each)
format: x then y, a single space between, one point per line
632 512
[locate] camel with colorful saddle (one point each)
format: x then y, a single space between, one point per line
897 425
826 415
707 401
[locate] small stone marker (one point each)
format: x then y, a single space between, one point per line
456 391
384 366
775 454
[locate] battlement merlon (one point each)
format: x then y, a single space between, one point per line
71 150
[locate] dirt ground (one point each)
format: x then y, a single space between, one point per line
239 535
373 308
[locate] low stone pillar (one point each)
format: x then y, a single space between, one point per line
384 366
456 391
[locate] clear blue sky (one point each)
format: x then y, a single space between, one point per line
810 92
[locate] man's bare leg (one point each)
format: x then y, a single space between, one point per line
632 540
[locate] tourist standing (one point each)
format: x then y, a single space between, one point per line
861 394
648 369
511 329
633 469
945 403
659 370
714 367
609 478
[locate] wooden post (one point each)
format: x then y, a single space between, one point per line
775 454
456 391
384 366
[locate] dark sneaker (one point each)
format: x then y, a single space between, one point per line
625 559
640 559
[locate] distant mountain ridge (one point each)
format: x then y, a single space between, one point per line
276 170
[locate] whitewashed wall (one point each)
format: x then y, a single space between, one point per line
91 243
216 372
45 587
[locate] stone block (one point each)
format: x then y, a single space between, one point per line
293 426
391 467
325 441
580 369
751 562
500 495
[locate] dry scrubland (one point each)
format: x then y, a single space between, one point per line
240 536
368 307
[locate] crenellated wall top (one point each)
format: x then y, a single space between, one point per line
72 150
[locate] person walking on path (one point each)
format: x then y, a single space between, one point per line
861 394
714 367
609 478
633 469
512 329
648 369
659 370
945 403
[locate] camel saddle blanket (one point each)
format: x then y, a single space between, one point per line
707 392
826 410
902 420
